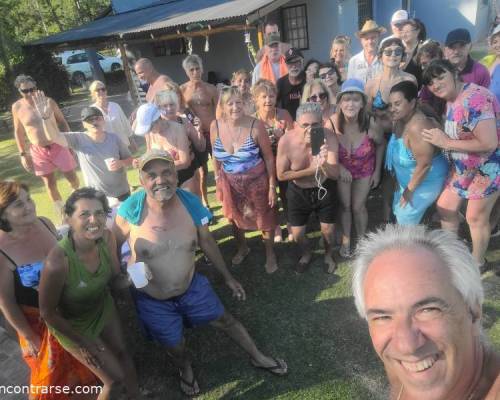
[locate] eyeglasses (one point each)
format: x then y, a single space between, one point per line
317 97
327 74
313 125
393 52
92 119
29 90
100 89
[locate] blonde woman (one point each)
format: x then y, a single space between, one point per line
245 174
242 80
115 120
318 92
340 53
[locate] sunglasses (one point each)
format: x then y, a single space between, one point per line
101 89
327 74
317 97
29 90
395 52
313 125
92 119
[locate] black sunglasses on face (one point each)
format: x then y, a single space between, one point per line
101 89
316 97
29 90
327 74
393 52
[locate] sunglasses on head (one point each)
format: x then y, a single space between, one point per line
393 52
327 74
29 90
316 97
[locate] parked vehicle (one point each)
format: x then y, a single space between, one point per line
78 67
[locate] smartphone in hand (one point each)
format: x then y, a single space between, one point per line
317 140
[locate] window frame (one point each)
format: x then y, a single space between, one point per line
286 38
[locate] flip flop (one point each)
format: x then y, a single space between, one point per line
191 385
279 369
345 252
239 258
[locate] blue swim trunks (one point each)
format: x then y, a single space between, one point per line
164 320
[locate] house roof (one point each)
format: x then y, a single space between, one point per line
158 16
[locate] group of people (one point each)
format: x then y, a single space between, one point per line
417 119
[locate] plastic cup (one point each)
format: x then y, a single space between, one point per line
138 274
108 162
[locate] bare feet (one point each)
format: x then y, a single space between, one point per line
240 256
277 234
345 251
331 266
303 263
271 264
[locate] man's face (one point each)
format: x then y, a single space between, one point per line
457 53
271 29
159 179
369 42
295 67
419 324
397 28
94 124
194 73
308 121
27 89
143 71
273 52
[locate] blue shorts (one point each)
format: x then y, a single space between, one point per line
164 320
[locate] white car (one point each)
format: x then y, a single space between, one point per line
78 67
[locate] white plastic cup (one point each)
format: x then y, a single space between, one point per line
138 273
108 162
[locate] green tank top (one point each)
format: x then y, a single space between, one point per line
85 302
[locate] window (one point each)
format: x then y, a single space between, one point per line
169 47
365 11
295 26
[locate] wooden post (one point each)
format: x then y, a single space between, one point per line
131 86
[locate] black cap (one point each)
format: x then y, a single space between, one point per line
293 54
460 35
89 112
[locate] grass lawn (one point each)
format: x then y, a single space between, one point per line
309 320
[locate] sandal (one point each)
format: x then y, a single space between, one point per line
192 385
279 369
345 251
239 258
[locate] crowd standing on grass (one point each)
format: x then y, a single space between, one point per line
416 119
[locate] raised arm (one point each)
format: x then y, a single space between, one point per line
59 116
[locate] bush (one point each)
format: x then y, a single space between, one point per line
50 76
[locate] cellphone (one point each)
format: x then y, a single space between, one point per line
317 139
190 116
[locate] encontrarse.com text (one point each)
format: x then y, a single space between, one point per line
33 389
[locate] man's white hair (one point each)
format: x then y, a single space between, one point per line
454 254
309 108
193 59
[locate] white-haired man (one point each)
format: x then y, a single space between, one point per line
421 293
200 97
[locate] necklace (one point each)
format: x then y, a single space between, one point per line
236 142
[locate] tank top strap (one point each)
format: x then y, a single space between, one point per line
251 127
217 127
333 125
48 227
8 258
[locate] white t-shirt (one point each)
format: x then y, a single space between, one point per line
360 69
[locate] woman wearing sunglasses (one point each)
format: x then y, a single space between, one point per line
114 117
318 92
330 75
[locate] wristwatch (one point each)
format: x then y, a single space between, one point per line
23 154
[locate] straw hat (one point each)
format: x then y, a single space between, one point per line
370 26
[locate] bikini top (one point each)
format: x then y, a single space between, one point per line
379 103
27 278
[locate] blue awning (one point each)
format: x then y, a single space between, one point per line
167 14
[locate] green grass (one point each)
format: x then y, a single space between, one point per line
309 320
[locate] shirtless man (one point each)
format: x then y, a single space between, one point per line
41 156
146 71
164 226
201 98
295 163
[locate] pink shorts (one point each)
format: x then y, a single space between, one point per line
46 159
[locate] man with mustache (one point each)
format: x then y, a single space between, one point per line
164 225
291 85
421 294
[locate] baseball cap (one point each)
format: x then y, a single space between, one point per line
351 85
399 16
456 36
155 154
89 112
293 54
273 37
146 115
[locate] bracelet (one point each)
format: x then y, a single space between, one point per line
23 154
